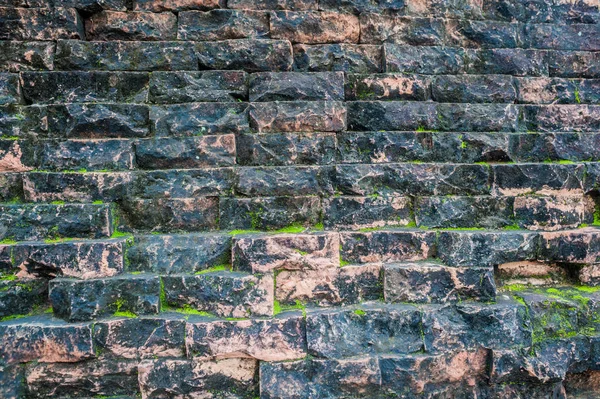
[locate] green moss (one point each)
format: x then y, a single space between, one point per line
319 226
303 253
238 232
8 241
294 228
278 307
344 263
8 277
215 269
360 312
367 229
98 202
577 97
58 202
587 289
512 227
188 310
565 162
125 313
163 297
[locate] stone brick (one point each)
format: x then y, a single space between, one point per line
267 253
294 86
284 181
170 214
365 330
85 379
39 221
514 10
179 5
84 7
338 57
430 282
545 90
362 6
11 187
276 339
81 300
268 213
223 293
250 55
327 116
184 87
40 24
391 86
581 11
43 339
16 56
321 378
192 152
75 187
516 62
12 385
544 179
291 5
574 64
413 179
482 34
20 297
553 213
101 155
571 246
179 253
473 89
386 246
115 25
17 156
583 37
221 377
464 212
142 56
469 9
98 121
143 337
199 119
486 248
329 287
223 25
376 28
353 213
10 91
183 183
427 60
562 118
540 147
18 121
78 259
313 27
285 149
73 87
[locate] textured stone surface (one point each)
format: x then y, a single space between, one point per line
21 296
250 55
298 116
222 25
314 27
112 25
279 338
24 56
387 246
346 212
184 87
196 119
295 86
338 57
40 24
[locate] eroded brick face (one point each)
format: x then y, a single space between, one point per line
307 199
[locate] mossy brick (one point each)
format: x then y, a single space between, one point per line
222 25
20 297
264 181
387 245
353 213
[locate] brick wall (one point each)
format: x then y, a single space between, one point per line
299 199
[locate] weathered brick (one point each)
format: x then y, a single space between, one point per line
11 187
182 183
115 25
516 10
285 149
574 64
427 60
189 152
77 259
482 34
221 377
386 246
92 120
142 56
294 86
433 283
16 56
223 293
562 118
80 300
250 55
284 181
553 213
387 7
43 339
177 5
268 213
75 187
20 296
545 179
22 121
10 90
40 24
348 332
486 248
463 212
17 155
74 87
389 86
141 337
376 28
413 179
266 253
170 214
39 221
516 62
291 5
199 119
338 57
346 212
540 147
276 339
178 253
184 87
583 37
466 9
545 90
327 116
473 89
86 379
85 154
313 27
222 25
571 246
